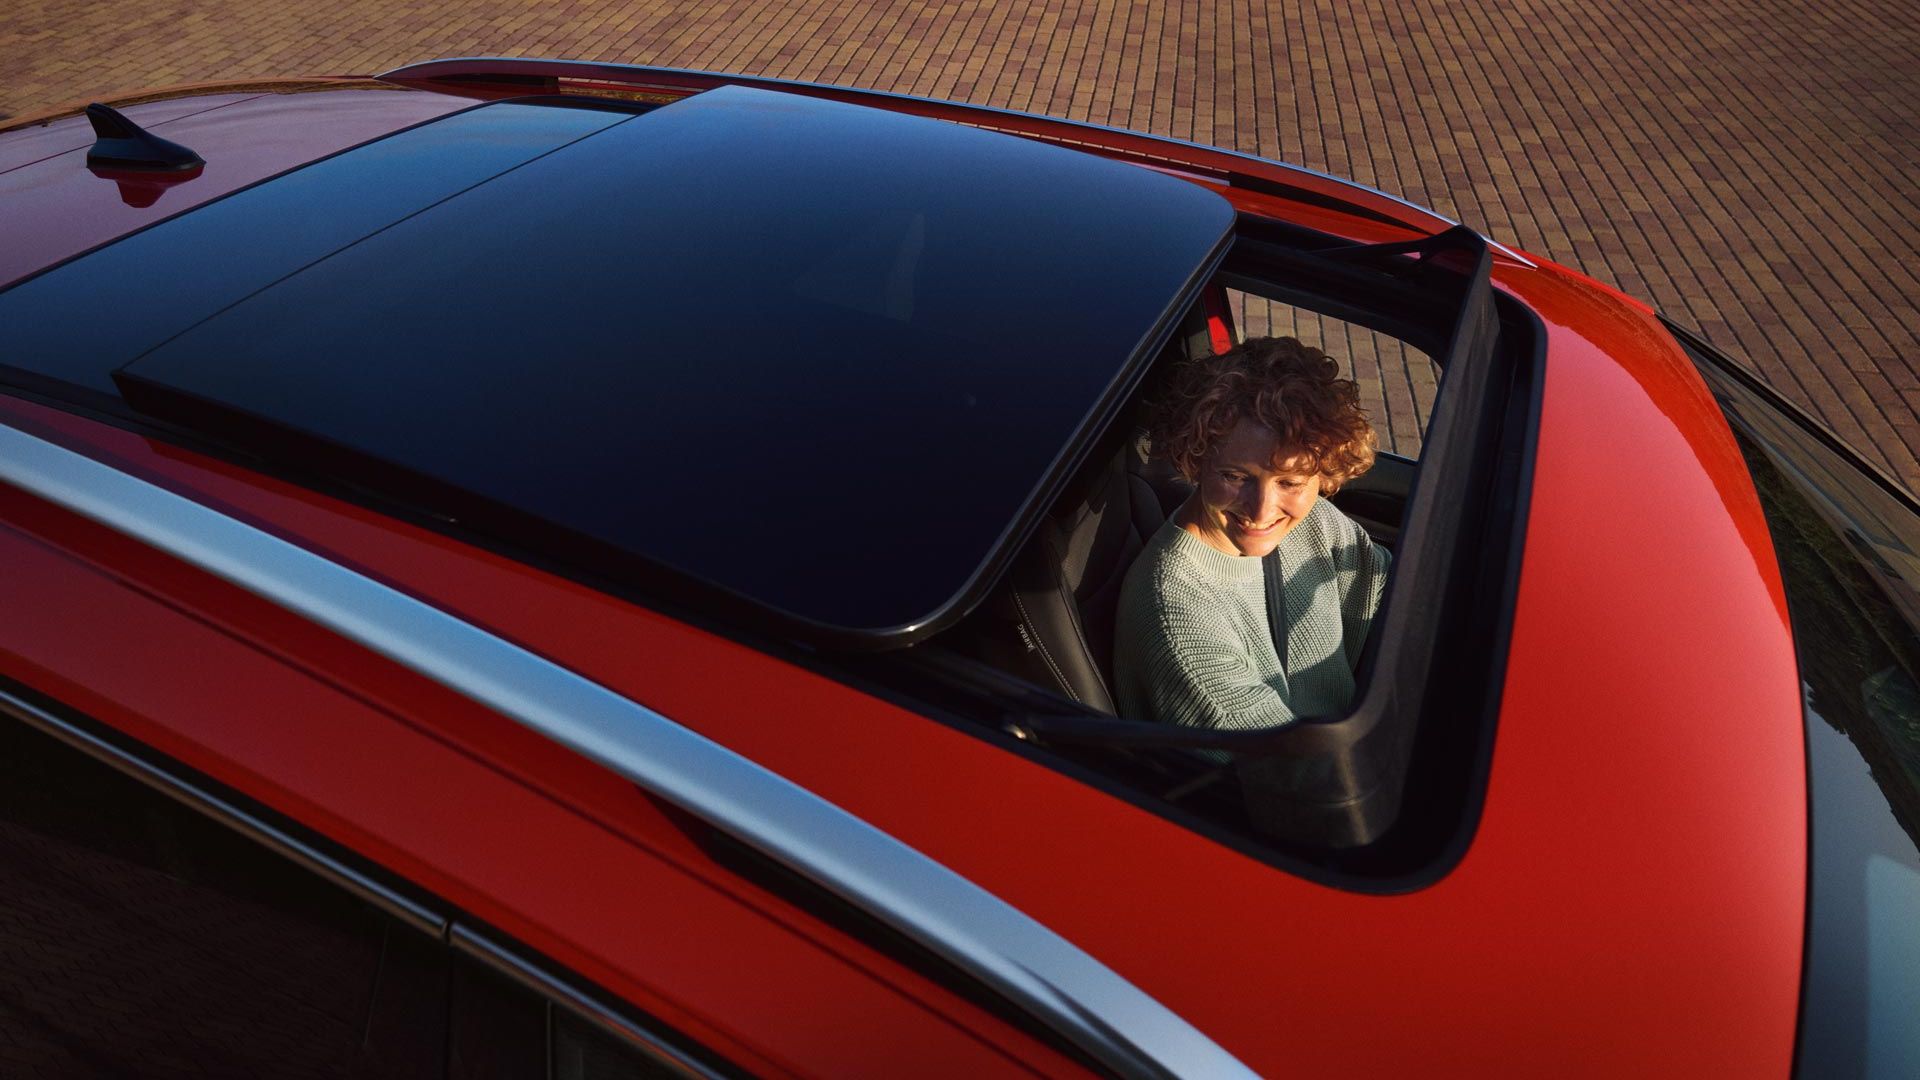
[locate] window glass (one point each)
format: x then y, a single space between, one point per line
1846 548
140 938
1397 382
582 1051
499 1025
504 1029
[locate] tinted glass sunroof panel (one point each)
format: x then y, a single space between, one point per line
818 355
80 321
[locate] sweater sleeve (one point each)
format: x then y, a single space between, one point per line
1196 675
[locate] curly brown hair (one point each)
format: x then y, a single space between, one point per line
1290 388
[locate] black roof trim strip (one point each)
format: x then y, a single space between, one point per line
1814 425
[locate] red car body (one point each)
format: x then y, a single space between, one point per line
1633 898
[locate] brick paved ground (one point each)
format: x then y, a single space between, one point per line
1750 166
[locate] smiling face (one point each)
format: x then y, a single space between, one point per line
1252 491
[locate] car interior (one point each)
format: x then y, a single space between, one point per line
1052 619
1048 626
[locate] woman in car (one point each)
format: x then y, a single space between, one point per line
1263 431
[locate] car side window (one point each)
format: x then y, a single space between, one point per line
1397 382
139 937
1847 553
504 1029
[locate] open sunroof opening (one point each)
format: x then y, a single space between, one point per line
1383 795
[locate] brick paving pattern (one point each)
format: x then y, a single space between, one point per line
1752 167
138 938
189 982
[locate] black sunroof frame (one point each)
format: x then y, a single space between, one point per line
1350 775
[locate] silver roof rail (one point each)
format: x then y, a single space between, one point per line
1043 974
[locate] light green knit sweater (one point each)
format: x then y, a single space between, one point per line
1193 644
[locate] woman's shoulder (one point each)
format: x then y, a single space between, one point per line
1176 569
1161 562
1332 525
1344 541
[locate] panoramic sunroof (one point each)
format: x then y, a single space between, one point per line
817 355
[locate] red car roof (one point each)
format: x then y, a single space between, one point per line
1635 887
56 208
1643 821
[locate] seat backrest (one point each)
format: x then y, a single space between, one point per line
1055 612
1052 619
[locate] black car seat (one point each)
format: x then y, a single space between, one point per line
1052 619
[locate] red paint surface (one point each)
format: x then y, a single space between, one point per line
527 837
1213 303
37 142
56 208
1632 902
